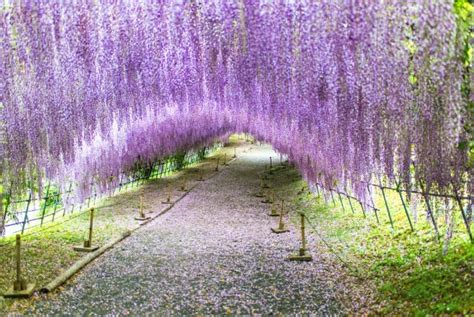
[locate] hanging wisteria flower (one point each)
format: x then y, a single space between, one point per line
345 88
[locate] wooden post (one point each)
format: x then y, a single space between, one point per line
281 225
280 220
91 226
20 288
235 152
217 164
168 197
271 163
302 254
87 246
19 285
303 238
183 185
141 213
201 177
273 211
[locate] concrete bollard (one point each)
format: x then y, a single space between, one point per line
20 288
87 246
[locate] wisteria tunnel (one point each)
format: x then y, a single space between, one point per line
171 132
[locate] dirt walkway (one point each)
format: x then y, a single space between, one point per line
213 253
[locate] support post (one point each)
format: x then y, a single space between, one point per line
269 198
332 197
464 217
260 193
362 207
273 211
404 207
55 207
350 204
168 194
317 190
430 212
281 225
20 288
141 213
183 187
340 200
386 204
302 255
88 247
373 204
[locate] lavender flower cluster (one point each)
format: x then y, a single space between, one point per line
345 88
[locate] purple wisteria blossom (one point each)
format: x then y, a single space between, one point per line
345 88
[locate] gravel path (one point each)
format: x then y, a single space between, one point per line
213 253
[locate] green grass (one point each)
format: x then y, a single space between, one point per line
407 270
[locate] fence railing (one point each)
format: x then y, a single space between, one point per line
456 201
30 212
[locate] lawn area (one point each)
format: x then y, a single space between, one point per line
407 271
